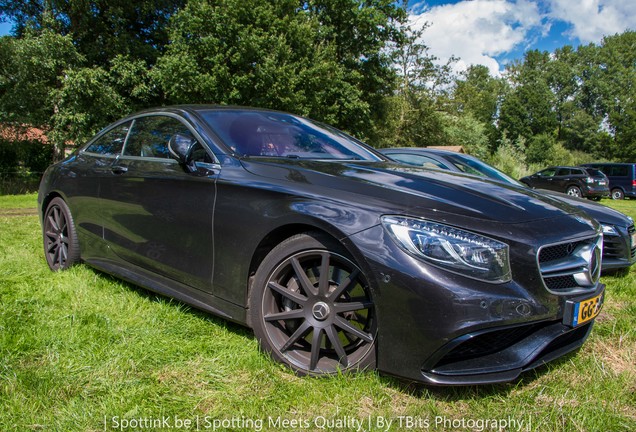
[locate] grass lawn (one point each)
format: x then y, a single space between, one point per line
81 351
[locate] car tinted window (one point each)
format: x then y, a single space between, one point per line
563 172
111 142
595 172
150 135
274 134
548 172
574 171
417 160
618 170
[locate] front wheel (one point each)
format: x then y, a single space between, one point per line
311 307
574 191
61 247
617 194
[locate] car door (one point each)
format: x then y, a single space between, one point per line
561 180
157 215
81 184
543 179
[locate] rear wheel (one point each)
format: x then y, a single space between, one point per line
574 191
311 307
617 194
61 247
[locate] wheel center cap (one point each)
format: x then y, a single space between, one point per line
320 311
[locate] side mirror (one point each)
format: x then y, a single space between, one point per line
180 147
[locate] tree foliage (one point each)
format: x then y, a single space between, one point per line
101 29
73 66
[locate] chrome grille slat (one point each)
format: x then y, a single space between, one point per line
571 267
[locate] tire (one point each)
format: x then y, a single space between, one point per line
618 194
61 246
574 191
315 325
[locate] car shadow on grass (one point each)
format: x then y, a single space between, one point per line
155 297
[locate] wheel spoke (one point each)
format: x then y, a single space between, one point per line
51 246
323 284
300 332
292 295
302 277
316 342
292 314
352 306
57 256
52 222
332 334
344 286
56 216
347 327
51 235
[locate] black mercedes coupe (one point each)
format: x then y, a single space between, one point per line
337 258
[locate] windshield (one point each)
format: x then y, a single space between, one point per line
274 134
473 166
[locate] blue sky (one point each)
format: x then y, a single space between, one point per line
495 32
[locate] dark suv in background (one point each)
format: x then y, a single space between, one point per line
621 176
575 181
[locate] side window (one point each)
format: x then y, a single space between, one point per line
618 171
111 142
417 160
548 172
150 135
200 155
563 172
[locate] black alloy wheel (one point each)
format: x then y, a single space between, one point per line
61 246
311 308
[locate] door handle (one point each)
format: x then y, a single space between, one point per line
119 169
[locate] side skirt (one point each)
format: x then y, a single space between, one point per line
170 288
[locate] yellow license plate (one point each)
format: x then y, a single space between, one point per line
587 310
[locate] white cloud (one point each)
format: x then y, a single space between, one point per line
593 19
480 31
477 31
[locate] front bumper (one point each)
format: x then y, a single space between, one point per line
440 328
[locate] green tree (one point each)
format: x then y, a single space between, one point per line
528 109
31 68
466 131
282 56
414 115
100 29
617 70
479 94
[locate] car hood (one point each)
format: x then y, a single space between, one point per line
601 213
413 190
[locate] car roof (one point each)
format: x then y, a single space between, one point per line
417 150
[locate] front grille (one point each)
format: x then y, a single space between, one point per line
572 266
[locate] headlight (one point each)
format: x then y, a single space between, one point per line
450 248
609 230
